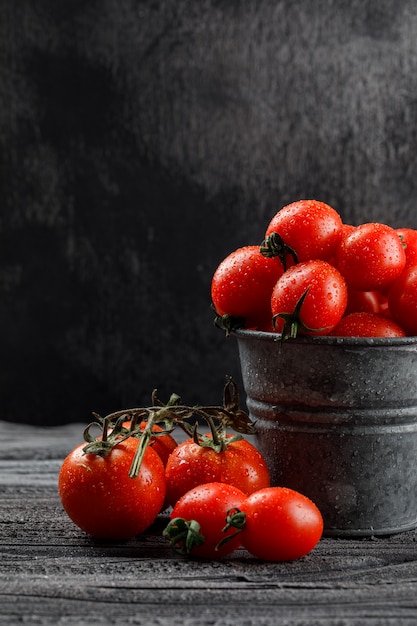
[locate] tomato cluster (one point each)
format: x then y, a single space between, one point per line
315 275
100 497
273 524
217 484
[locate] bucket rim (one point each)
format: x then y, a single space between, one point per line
326 340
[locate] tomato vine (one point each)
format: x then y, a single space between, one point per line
171 415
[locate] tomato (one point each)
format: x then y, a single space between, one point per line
162 444
346 229
239 464
198 519
242 285
98 495
280 524
312 229
408 237
311 297
402 300
365 324
370 257
383 305
367 301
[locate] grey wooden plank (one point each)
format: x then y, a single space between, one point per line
70 573
23 441
52 573
206 606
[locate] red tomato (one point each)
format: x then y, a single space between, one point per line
358 301
162 444
408 237
324 303
198 519
242 285
311 228
346 229
98 495
191 464
365 324
281 524
402 300
370 257
383 305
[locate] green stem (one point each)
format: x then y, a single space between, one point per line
273 245
145 438
183 535
235 518
171 415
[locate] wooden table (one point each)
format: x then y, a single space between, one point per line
52 573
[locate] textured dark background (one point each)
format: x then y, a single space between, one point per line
142 141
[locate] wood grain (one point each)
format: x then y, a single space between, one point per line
52 573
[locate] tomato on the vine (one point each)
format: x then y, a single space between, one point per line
364 324
98 495
241 288
239 463
162 444
198 519
402 300
278 524
309 298
311 229
370 257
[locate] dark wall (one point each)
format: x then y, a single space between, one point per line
141 142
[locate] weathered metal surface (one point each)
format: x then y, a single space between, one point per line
337 420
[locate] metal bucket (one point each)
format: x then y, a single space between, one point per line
337 421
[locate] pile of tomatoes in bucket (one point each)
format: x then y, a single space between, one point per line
315 275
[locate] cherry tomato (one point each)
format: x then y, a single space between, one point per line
198 519
402 300
346 229
242 285
280 524
312 229
311 297
365 324
408 237
367 301
98 495
371 257
383 305
162 444
190 464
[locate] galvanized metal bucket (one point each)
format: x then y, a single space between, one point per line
337 421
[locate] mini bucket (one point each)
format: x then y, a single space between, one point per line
336 420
